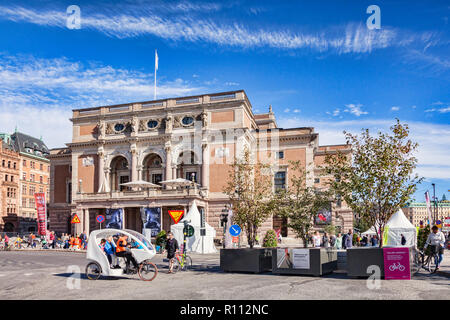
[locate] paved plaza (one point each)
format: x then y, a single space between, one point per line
49 275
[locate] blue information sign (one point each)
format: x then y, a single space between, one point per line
100 218
235 230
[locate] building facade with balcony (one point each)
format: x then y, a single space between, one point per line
195 138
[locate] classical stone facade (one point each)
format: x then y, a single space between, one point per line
194 138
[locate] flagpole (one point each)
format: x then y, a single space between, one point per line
156 65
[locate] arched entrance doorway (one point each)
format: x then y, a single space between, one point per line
120 173
8 227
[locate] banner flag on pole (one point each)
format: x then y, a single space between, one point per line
427 199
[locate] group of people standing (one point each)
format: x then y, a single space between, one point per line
340 241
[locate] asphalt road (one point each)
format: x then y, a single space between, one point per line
48 275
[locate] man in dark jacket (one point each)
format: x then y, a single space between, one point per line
348 239
171 248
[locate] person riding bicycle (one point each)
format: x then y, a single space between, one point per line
436 240
171 248
121 251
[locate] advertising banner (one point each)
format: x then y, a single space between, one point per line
324 216
396 264
153 220
114 218
293 258
41 208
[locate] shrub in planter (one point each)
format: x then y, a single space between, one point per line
270 239
422 237
161 239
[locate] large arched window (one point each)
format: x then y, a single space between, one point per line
188 166
152 168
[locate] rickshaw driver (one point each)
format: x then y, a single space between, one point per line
121 251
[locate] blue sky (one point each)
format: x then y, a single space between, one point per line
315 62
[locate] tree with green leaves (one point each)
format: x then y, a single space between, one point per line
378 179
249 187
300 203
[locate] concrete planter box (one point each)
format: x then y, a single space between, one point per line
316 261
256 260
341 259
358 259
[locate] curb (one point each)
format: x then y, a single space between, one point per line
443 273
45 250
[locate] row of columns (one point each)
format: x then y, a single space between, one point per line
170 171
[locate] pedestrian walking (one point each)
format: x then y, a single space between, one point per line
52 239
332 240
374 241
436 240
316 239
325 240
338 243
347 242
403 241
171 248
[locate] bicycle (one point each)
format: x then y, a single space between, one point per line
182 262
427 259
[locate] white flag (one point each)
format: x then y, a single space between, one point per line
156 60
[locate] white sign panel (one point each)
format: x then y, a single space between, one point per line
300 259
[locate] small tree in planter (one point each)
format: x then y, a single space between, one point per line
270 239
378 180
161 239
250 192
299 203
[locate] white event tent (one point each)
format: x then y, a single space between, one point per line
397 225
196 243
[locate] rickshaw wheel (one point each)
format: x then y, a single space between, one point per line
147 271
93 271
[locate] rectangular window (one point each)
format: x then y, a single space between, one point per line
24 176
6 177
41 167
14 165
41 179
191 176
280 180
156 178
316 180
24 163
279 155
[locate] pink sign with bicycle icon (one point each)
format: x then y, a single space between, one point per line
396 264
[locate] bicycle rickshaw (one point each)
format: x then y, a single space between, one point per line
143 252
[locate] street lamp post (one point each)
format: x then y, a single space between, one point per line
223 221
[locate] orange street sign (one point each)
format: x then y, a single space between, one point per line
176 215
75 219
235 239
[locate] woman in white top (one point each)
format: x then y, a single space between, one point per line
316 239
437 240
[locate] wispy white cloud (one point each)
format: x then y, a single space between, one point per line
297 110
395 108
434 139
135 21
38 94
443 107
287 110
355 109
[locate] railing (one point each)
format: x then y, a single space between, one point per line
164 193
162 103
